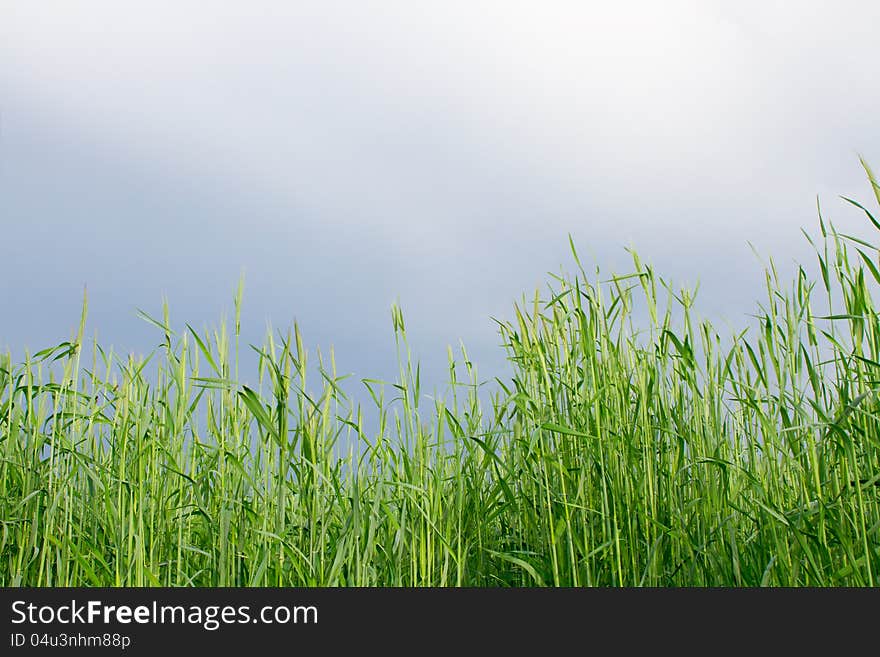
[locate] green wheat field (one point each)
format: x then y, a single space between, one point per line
633 445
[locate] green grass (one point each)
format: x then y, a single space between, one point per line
633 445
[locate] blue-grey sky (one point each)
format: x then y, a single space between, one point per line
347 154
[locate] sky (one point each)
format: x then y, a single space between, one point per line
347 155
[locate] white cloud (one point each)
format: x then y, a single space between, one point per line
429 124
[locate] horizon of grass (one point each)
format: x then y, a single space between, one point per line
616 455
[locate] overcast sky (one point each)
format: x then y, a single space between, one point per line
347 154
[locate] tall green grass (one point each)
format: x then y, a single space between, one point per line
634 445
